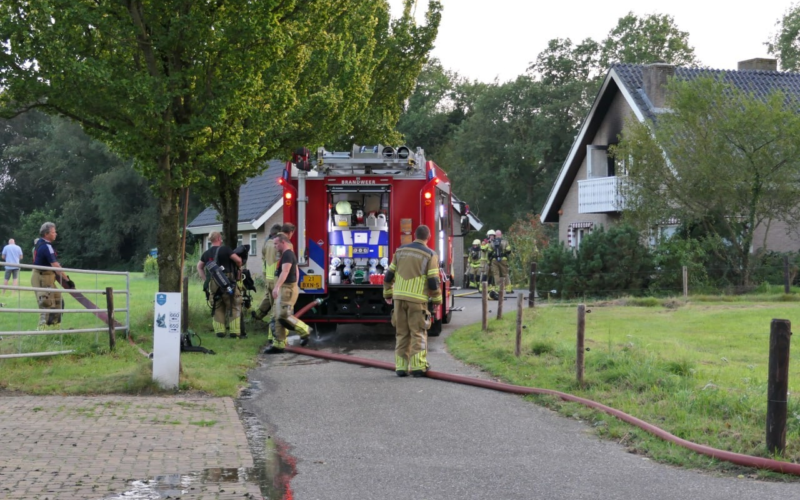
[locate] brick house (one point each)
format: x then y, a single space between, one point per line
586 192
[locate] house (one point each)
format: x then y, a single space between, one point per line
586 193
261 206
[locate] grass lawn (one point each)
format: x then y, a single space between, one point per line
697 370
93 369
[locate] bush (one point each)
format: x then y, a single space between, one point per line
190 266
528 238
608 263
150 267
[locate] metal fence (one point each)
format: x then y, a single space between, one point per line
76 293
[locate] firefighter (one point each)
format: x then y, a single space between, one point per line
486 247
499 253
474 258
412 279
224 305
45 255
269 255
285 294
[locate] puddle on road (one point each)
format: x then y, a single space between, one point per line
273 469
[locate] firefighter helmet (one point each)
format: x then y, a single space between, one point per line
476 242
490 232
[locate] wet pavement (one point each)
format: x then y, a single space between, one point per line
356 432
131 448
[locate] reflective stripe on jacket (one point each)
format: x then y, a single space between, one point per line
413 274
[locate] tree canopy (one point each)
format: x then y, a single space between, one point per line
722 158
785 42
180 86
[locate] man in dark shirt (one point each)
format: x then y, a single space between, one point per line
224 305
285 293
45 255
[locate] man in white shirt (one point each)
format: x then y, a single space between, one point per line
12 254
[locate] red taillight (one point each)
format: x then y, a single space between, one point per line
288 196
428 195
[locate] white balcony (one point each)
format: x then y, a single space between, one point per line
600 195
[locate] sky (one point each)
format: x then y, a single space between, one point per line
483 40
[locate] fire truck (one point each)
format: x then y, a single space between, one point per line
352 210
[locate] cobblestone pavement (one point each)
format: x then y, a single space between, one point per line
116 447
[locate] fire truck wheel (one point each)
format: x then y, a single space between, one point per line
448 317
436 328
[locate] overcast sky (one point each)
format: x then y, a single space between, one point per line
485 40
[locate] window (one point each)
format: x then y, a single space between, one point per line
599 163
239 240
208 242
253 243
576 231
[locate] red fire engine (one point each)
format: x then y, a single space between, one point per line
352 210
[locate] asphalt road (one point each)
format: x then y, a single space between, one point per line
364 433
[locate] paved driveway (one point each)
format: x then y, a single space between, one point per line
364 433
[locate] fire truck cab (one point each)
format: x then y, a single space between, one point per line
352 210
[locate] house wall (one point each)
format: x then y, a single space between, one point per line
607 133
780 237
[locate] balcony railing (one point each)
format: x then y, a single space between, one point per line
600 195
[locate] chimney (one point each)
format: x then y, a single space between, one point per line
654 78
759 64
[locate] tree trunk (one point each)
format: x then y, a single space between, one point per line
229 208
168 238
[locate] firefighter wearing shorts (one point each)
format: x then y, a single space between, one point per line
412 279
285 294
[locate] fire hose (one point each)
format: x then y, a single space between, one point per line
726 456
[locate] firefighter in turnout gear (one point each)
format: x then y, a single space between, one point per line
486 247
45 255
412 279
270 256
285 294
498 256
226 306
475 258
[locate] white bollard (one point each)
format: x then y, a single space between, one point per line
167 340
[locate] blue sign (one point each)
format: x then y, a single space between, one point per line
161 298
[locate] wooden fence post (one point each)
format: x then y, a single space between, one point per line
501 297
185 306
786 283
518 346
778 384
466 271
532 287
685 282
112 336
581 333
485 301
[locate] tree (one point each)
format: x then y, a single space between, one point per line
785 43
103 207
176 85
653 38
346 85
721 158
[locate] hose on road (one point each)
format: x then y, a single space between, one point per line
727 456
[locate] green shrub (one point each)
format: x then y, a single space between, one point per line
190 266
150 267
609 262
643 302
540 347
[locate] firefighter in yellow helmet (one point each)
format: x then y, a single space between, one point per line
486 249
285 294
498 256
474 257
412 279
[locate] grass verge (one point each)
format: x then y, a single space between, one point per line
94 369
697 370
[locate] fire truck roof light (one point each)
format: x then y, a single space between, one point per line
280 180
436 180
